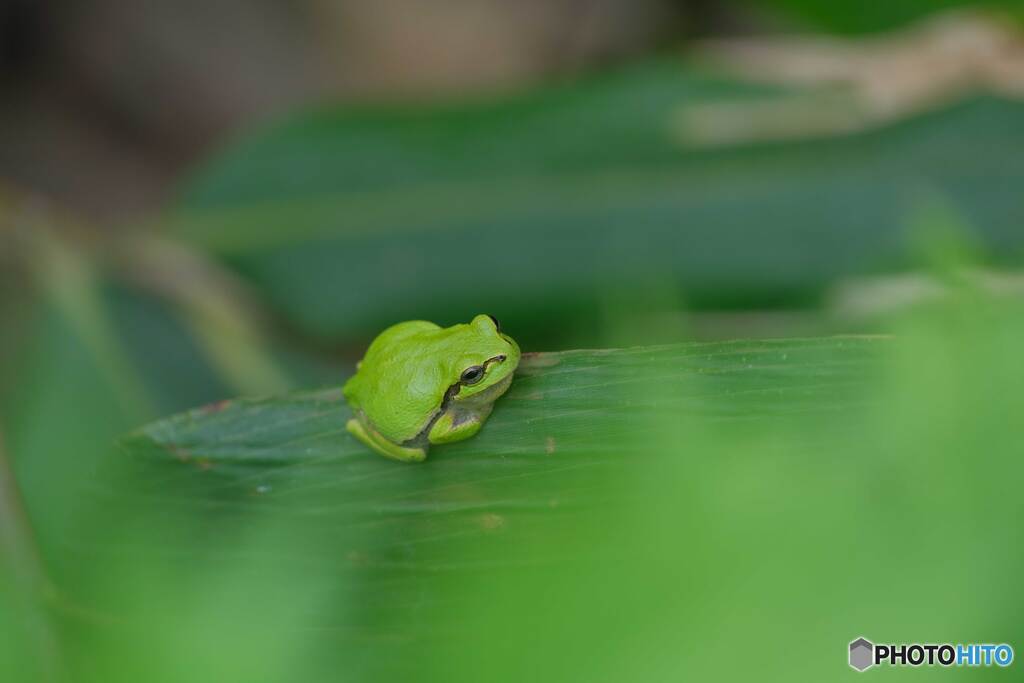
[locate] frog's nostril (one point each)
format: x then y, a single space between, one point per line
500 359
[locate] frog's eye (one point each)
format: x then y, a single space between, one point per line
472 374
497 325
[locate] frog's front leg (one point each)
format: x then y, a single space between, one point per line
457 425
371 438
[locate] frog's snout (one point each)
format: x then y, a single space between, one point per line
500 358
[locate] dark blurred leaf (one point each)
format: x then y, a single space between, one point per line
166 357
852 16
537 208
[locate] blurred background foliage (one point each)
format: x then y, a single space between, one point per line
203 201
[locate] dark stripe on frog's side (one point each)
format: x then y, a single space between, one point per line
423 438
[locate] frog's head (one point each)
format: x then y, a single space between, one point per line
485 358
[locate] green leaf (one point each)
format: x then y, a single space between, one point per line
535 208
276 493
628 514
552 396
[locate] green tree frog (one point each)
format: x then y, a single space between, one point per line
421 384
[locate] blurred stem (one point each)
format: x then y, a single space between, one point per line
71 285
215 308
30 586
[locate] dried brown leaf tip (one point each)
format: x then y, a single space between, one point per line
532 363
848 85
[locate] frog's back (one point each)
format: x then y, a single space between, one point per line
399 382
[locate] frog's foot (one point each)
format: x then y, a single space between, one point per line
454 426
382 445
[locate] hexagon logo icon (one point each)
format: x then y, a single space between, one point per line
862 654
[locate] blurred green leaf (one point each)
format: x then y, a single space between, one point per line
852 16
637 514
95 356
533 208
71 391
278 501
